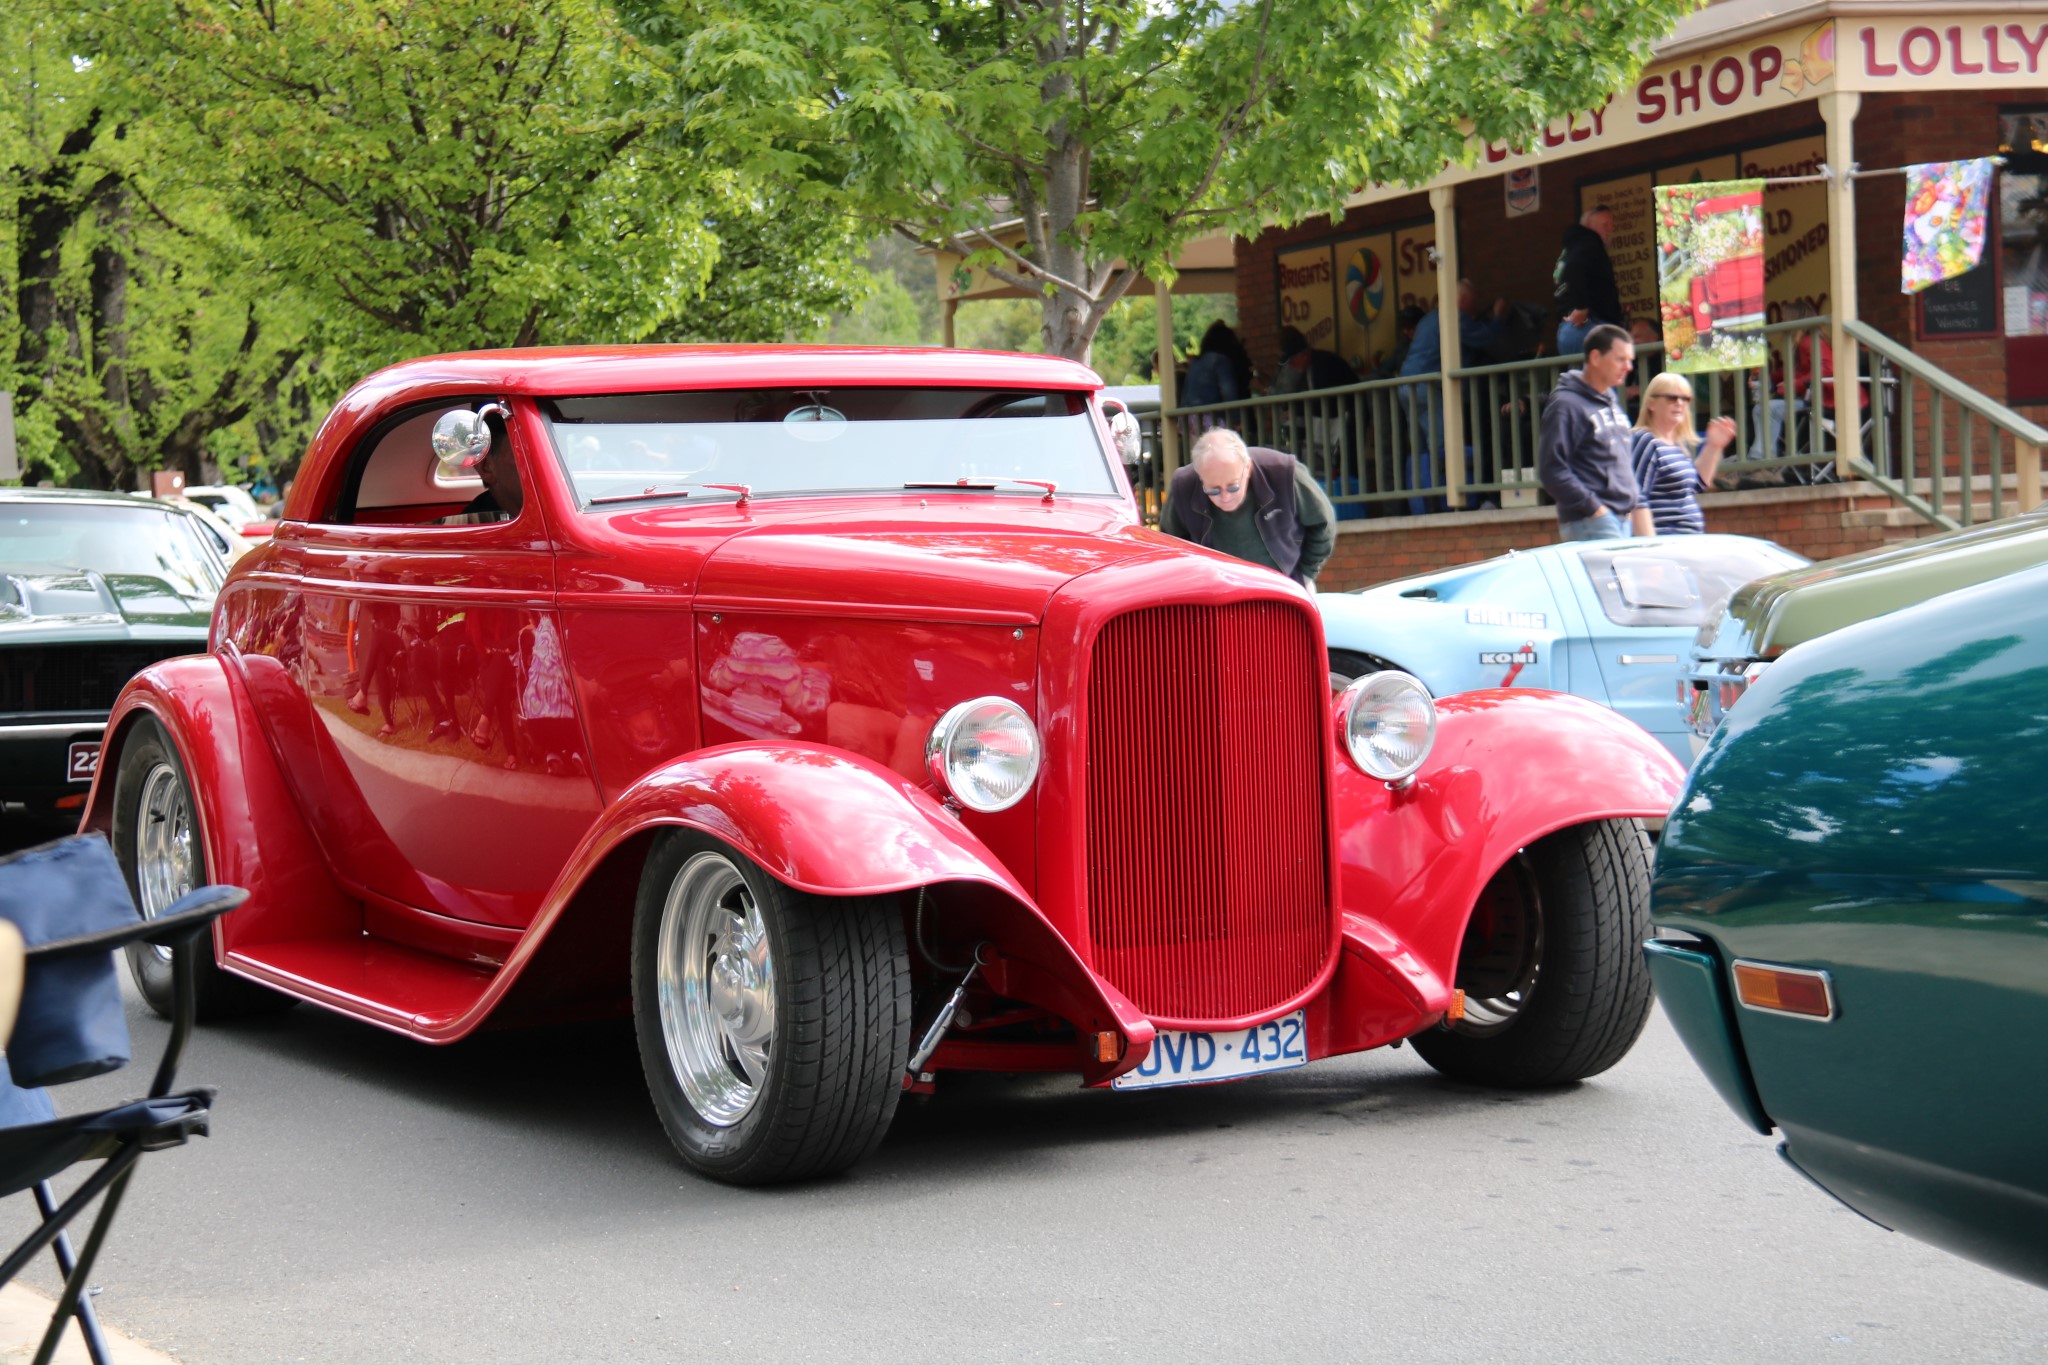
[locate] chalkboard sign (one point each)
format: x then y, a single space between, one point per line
1966 306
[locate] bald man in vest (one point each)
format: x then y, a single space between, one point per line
1257 504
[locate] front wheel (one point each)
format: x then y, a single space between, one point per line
773 1025
1555 985
156 838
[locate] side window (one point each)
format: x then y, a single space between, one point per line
396 481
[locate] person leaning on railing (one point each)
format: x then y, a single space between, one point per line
1257 504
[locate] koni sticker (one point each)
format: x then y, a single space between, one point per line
1501 616
1514 660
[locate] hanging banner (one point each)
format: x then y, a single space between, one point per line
1365 321
1710 275
1947 203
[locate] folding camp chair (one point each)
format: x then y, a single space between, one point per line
71 906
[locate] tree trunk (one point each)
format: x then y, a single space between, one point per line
110 315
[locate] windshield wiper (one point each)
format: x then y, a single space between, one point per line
988 485
679 488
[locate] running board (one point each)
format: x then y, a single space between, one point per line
373 979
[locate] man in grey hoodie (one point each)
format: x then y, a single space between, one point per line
1583 459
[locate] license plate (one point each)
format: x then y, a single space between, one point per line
81 762
1183 1058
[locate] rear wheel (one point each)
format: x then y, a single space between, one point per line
773 1025
1552 968
156 838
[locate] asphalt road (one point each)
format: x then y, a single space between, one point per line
512 1198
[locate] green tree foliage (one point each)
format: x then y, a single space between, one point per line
222 211
437 175
1118 130
123 350
903 310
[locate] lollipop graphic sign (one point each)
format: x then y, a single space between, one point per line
1365 286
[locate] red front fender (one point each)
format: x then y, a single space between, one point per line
1509 767
829 823
233 774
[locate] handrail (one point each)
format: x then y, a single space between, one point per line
1947 385
1267 400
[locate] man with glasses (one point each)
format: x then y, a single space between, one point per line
1257 504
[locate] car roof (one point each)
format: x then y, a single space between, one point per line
649 369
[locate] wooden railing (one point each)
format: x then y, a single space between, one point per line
1377 446
1939 446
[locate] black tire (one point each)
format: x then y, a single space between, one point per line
1349 665
832 1050
148 755
1552 963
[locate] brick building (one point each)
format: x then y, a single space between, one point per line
1741 88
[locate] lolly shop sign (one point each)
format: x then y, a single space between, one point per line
1939 51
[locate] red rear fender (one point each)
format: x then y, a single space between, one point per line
1509 767
233 774
821 821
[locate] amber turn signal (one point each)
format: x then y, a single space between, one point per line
1798 991
1108 1046
1457 1009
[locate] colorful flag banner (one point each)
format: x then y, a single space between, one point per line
1710 275
1947 205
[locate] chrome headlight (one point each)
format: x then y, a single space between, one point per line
985 753
1389 724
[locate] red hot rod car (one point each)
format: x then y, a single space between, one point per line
833 712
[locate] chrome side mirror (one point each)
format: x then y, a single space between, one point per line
1124 428
462 439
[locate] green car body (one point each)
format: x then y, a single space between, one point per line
1766 618
1875 810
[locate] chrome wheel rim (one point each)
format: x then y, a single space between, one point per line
166 846
715 985
1500 962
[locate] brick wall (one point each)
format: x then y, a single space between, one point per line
1820 523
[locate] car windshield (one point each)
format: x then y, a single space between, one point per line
1678 580
827 440
142 540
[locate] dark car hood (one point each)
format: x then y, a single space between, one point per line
998 564
1773 614
42 603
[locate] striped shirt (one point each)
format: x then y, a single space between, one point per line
1668 480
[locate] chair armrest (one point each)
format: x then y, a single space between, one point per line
188 917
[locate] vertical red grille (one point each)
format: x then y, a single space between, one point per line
1208 873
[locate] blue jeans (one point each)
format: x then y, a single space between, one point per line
1613 526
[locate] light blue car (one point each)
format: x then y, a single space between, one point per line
1611 620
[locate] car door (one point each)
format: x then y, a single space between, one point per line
1641 604
435 672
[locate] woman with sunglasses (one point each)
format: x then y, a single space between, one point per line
1673 465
